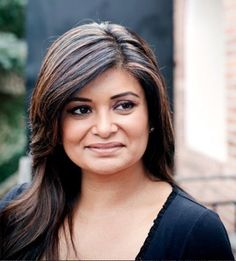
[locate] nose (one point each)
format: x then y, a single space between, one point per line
104 125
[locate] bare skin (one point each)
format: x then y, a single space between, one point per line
105 131
115 225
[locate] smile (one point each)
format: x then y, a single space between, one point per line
105 148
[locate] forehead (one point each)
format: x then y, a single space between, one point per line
111 82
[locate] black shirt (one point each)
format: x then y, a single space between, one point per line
184 229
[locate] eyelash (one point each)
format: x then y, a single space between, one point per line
126 107
80 107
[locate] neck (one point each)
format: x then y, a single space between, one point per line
101 191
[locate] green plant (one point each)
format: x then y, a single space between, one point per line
12 53
12 17
12 60
12 133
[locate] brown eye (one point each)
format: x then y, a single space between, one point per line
81 110
125 106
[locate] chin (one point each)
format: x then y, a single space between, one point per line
106 171
109 167
106 167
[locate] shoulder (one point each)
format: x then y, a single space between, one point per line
185 230
193 213
14 193
183 210
201 230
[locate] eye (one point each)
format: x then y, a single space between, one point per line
125 106
81 110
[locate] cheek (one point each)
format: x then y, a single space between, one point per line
137 127
68 130
72 131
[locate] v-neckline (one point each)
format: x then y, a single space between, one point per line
156 223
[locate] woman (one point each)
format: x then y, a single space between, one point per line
103 153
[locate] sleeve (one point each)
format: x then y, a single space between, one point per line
12 194
208 239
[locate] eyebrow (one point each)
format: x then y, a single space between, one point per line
124 94
79 99
112 98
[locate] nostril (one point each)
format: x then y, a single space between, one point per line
114 128
104 130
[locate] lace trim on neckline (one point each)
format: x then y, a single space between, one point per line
156 223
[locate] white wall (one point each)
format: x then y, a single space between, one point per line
205 107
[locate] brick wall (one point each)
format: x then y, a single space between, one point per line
230 32
190 162
206 178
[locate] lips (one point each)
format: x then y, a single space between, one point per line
105 146
109 149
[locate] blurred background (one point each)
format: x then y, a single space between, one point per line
13 49
195 45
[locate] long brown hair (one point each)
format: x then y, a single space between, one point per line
30 224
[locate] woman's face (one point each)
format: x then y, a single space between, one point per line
105 125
